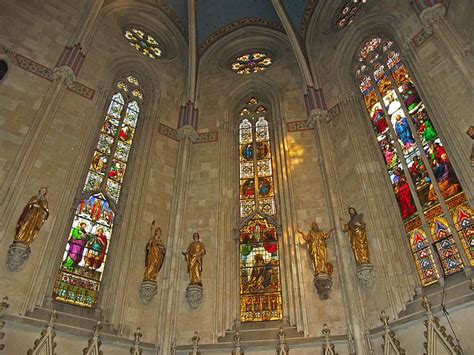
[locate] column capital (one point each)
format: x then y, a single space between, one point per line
187 132
317 115
348 97
64 74
430 15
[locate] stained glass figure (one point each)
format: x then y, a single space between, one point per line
260 285
347 14
416 160
143 42
249 63
82 267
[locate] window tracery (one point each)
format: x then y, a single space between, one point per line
423 180
80 274
347 14
143 42
252 62
260 284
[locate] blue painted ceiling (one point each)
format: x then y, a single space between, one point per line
214 14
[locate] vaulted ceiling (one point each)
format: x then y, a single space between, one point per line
213 15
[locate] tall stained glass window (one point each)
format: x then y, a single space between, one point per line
82 266
432 203
260 284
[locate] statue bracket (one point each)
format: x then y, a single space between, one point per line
194 295
17 254
148 290
366 275
323 284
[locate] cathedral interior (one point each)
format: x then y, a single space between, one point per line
230 177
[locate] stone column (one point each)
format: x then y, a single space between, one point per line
398 272
171 291
64 74
434 22
352 302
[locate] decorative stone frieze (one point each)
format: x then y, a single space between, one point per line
17 254
348 98
148 290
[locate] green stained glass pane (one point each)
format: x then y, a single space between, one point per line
122 151
104 144
131 117
93 181
113 189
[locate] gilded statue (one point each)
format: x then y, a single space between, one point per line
358 233
32 218
193 256
318 249
155 254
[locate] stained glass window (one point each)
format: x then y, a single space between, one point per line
253 62
260 287
143 42
348 14
416 161
82 266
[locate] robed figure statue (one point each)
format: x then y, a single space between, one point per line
193 256
358 234
155 254
318 249
32 218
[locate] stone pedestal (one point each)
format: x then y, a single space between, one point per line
194 295
366 275
323 284
17 254
148 291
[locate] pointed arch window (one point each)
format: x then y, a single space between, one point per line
428 192
80 274
260 282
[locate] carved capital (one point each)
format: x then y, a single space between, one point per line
187 132
317 115
348 97
9 51
64 74
430 15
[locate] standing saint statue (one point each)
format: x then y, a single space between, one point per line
155 254
32 218
358 233
318 249
193 257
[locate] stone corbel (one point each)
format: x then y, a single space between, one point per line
317 115
64 74
187 132
9 51
430 15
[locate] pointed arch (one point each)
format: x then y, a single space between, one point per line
83 262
